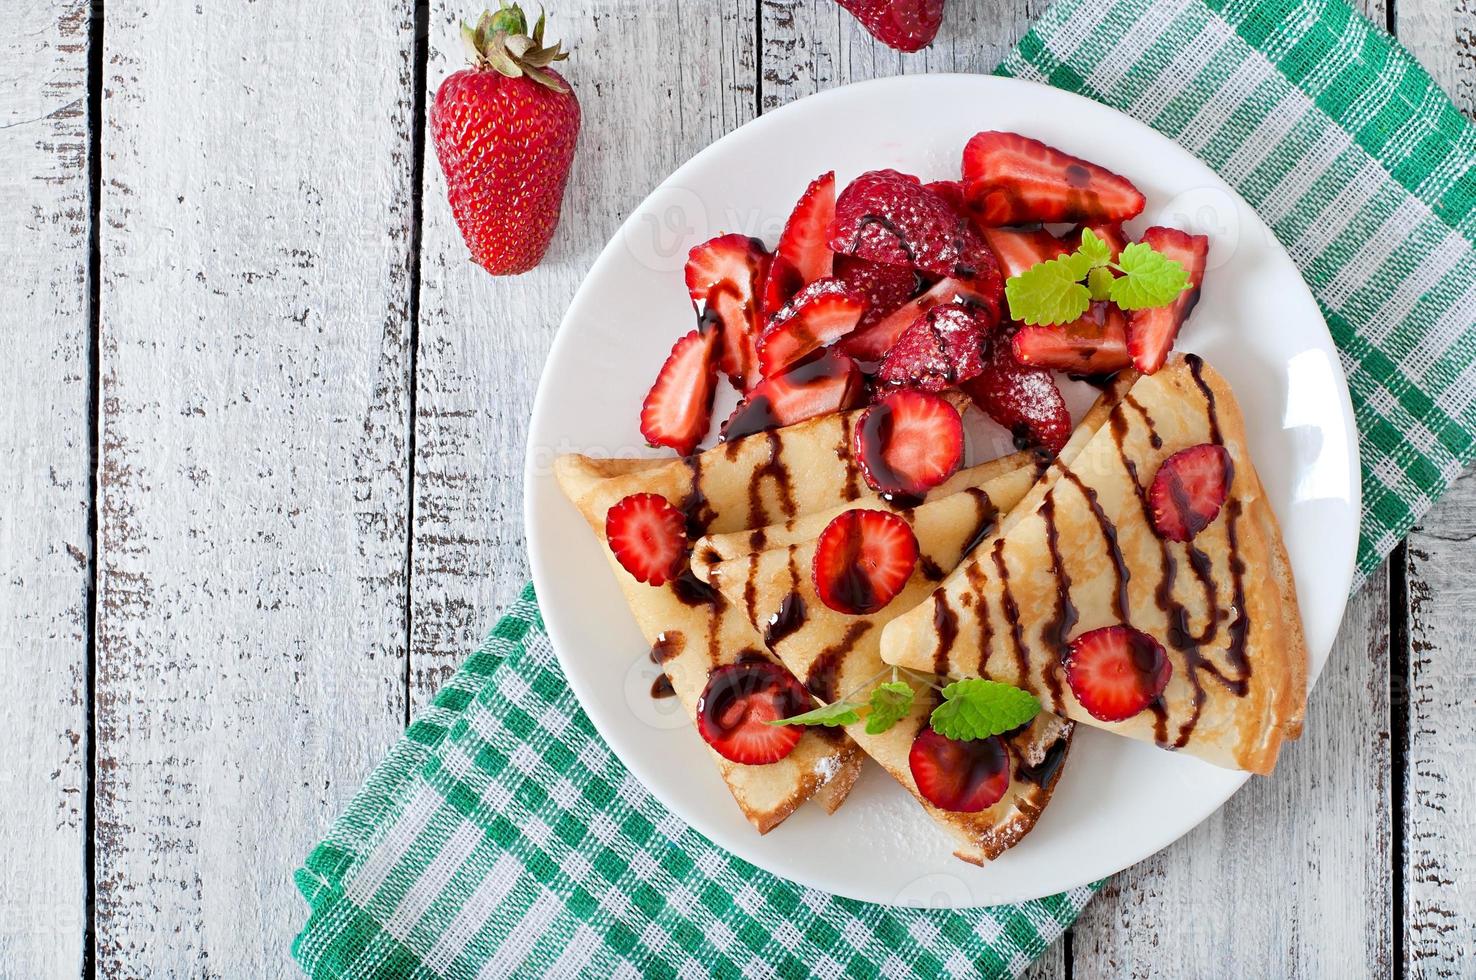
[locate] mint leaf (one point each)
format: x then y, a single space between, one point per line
890 703
829 715
1049 292
1099 284
1149 278
1093 250
977 708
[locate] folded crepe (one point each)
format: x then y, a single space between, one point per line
750 482
1081 553
835 653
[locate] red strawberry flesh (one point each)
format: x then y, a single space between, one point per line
863 559
678 407
1023 399
1017 249
738 702
1095 344
959 776
828 382
871 343
724 276
1116 671
889 217
648 537
906 25
820 314
803 254
1189 489
1011 179
1151 333
908 443
943 348
885 288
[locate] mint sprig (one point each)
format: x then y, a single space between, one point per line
977 708
890 703
1053 291
829 715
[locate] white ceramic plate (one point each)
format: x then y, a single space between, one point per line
1118 801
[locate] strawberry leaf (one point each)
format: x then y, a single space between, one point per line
890 703
977 708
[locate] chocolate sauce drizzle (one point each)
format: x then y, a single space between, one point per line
822 677
1011 610
790 616
1066 615
945 623
667 645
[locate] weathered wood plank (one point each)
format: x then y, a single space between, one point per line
1291 877
1440 794
483 339
252 543
45 551
1442 35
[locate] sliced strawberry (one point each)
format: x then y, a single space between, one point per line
1116 671
1151 333
908 443
803 254
1094 344
889 217
679 405
829 382
738 702
951 191
959 776
862 560
820 314
1017 249
886 288
905 25
1023 399
1109 231
724 277
1189 490
648 536
872 342
943 348
1011 179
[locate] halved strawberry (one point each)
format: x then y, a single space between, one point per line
890 217
648 536
943 348
959 776
1189 489
739 700
820 314
1109 231
829 382
862 560
679 405
1094 344
885 288
871 343
1011 179
803 254
1017 249
1151 332
1023 399
724 277
908 443
1116 671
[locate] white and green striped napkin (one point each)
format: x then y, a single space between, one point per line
502 838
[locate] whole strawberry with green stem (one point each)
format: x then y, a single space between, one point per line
504 131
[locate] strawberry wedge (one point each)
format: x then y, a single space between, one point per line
820 314
872 343
724 276
1151 333
831 382
678 407
1017 249
1094 344
803 254
1011 179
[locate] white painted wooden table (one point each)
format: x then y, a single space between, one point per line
261 425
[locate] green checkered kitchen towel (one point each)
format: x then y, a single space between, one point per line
501 837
